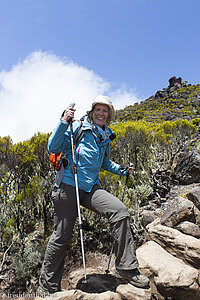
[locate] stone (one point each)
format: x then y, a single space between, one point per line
148 217
175 82
187 170
171 275
194 196
178 211
189 229
154 223
130 292
161 94
178 244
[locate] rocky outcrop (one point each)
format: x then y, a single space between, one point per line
171 257
174 84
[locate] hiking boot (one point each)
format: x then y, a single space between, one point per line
132 276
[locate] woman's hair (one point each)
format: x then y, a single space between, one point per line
90 114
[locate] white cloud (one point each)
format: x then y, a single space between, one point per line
35 91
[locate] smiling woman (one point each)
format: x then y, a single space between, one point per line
81 179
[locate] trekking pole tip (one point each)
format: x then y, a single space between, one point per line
84 281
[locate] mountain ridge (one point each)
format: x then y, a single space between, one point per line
178 100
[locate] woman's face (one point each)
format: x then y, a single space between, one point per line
100 114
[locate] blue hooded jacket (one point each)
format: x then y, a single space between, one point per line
92 152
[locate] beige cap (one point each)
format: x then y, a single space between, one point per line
104 100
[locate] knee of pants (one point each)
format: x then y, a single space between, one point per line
62 233
120 214
61 241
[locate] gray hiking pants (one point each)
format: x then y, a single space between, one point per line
65 213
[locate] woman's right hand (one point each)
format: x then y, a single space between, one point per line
68 114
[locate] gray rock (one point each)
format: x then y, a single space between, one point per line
161 94
175 82
194 196
189 229
148 217
178 211
187 170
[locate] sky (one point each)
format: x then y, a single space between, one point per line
54 52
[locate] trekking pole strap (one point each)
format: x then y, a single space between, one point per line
59 178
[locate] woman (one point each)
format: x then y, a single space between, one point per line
92 154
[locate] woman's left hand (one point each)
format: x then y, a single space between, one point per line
130 170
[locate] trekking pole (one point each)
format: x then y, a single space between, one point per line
77 196
111 252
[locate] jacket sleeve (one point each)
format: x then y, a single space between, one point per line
58 139
111 166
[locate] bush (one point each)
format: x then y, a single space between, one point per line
27 264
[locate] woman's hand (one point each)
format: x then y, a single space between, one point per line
68 114
130 170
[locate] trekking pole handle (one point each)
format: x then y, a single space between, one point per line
70 120
126 182
72 136
127 174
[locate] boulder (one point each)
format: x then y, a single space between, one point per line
148 217
178 244
187 170
178 211
171 275
130 292
161 94
175 82
189 229
194 196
